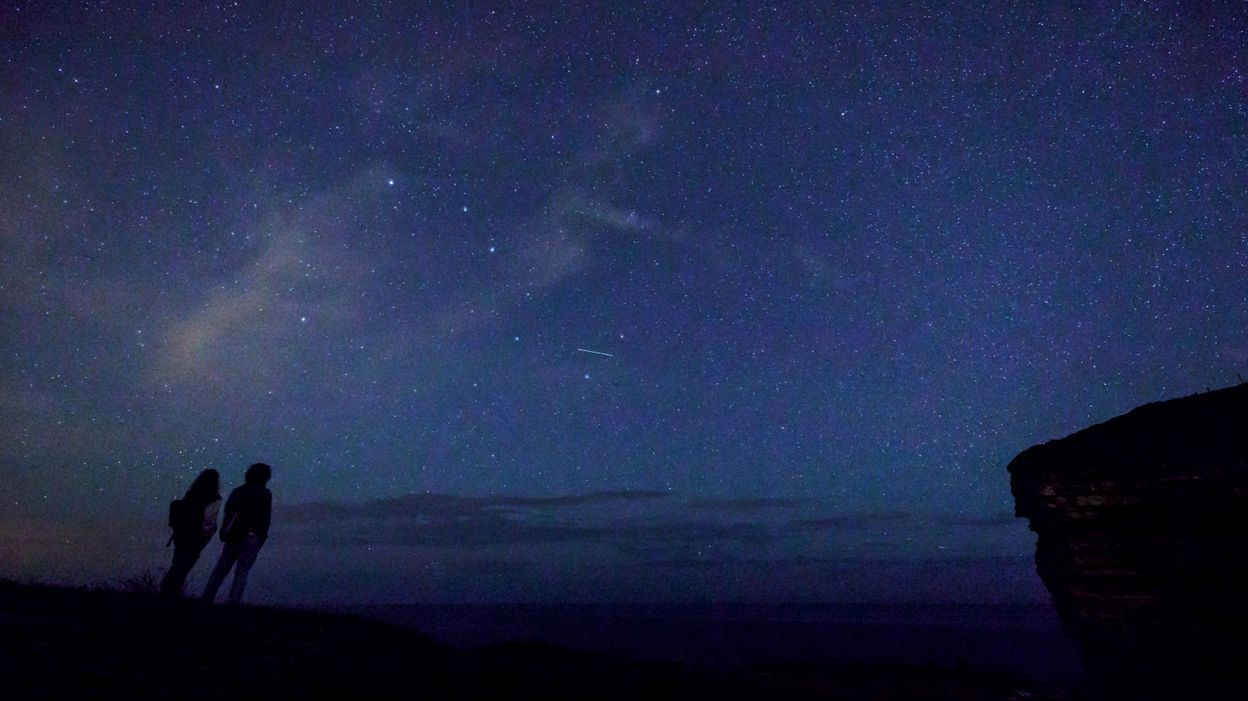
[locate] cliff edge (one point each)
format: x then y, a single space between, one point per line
1142 541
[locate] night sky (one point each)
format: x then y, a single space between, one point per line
835 267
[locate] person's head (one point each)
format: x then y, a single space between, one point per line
258 474
208 482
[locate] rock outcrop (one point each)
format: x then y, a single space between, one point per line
1142 541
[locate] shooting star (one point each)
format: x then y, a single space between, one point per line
586 350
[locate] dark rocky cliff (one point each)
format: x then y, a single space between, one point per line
1142 540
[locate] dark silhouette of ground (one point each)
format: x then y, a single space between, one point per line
60 643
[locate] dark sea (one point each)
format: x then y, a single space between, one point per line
1024 639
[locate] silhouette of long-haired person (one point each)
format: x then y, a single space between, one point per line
194 520
244 529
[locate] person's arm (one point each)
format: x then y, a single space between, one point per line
231 509
210 517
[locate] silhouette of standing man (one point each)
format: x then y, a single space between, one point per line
245 528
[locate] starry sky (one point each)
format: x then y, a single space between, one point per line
836 263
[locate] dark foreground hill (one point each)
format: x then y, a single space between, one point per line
58 643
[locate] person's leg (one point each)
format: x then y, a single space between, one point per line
229 553
184 557
247 551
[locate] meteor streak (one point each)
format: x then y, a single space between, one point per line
586 350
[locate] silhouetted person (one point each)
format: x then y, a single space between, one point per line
244 530
194 520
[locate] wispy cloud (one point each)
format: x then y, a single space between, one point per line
195 343
631 522
453 506
883 519
249 320
750 504
999 519
636 524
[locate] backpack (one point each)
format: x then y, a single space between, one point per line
183 516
